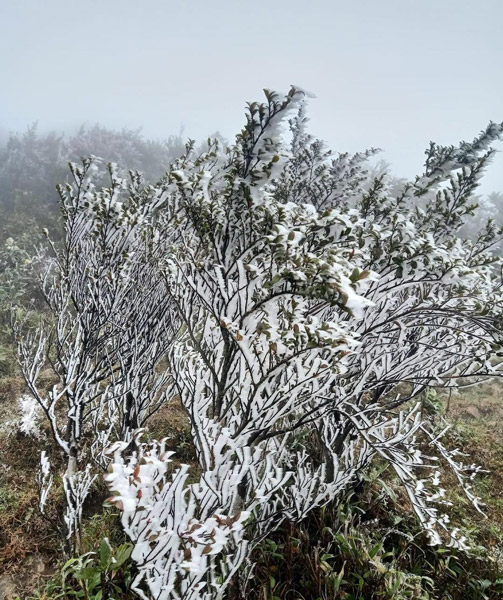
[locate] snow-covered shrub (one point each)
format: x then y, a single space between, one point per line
310 305
107 329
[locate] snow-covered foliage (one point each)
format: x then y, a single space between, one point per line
301 307
108 327
44 480
178 546
29 421
310 304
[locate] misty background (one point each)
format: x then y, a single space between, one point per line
392 74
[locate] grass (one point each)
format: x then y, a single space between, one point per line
479 434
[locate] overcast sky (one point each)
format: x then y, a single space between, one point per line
387 73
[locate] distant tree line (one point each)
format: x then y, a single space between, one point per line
32 164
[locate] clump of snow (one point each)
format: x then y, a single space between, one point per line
30 416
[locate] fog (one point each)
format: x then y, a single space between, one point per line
392 74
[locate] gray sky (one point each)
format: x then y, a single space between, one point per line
387 73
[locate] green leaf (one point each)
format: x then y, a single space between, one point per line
355 275
105 554
122 555
374 550
86 574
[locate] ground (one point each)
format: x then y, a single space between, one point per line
30 550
